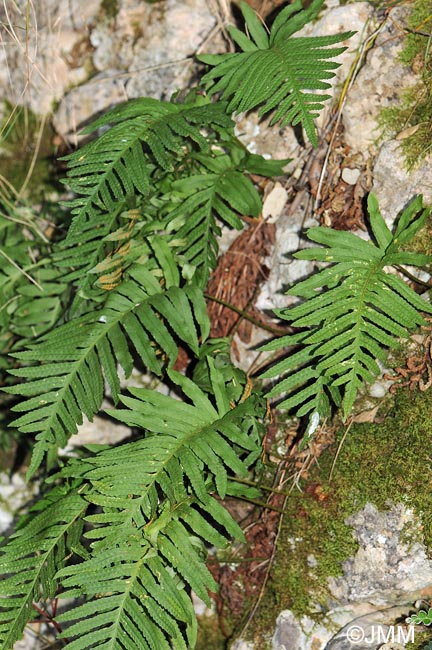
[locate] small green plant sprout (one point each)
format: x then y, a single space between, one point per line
422 618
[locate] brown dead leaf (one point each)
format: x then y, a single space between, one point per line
366 416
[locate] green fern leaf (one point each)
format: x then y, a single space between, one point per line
76 355
209 191
137 603
114 167
275 71
32 556
221 192
156 513
360 310
114 173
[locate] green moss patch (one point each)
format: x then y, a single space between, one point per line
377 463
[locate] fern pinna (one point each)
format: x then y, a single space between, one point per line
352 311
124 289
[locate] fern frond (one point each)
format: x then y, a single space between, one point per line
116 166
156 514
221 193
76 356
352 311
32 557
32 297
136 603
275 71
207 192
113 174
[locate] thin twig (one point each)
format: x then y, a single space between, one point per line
352 75
34 156
11 261
246 316
339 448
270 564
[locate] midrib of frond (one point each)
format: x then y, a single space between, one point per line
357 331
185 440
63 393
126 595
208 229
294 87
41 561
87 207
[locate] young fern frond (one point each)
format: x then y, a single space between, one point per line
217 194
275 71
117 165
33 555
156 513
78 355
351 313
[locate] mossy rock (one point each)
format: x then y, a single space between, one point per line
376 463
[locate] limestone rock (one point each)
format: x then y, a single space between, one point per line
386 568
387 573
14 494
85 102
159 68
35 59
394 186
379 84
146 51
355 17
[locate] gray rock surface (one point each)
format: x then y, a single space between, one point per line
379 84
180 32
146 51
35 58
394 185
14 494
86 101
356 17
378 585
386 567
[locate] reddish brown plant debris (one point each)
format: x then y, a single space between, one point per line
236 279
341 203
418 370
241 577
